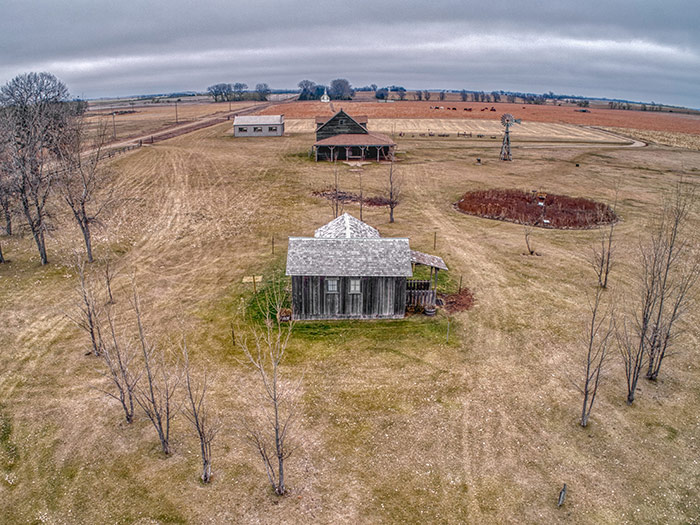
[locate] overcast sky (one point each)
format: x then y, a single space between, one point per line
632 49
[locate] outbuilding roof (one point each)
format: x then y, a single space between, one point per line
427 260
347 257
357 139
258 120
346 226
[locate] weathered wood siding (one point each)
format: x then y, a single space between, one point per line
379 297
339 124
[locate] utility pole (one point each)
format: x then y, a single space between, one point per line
176 112
114 127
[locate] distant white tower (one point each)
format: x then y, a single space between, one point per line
325 97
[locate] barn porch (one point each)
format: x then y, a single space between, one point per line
369 146
423 292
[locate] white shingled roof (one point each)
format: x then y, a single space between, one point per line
375 257
348 227
258 120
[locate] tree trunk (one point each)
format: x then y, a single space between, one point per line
8 221
41 245
391 213
88 242
2 259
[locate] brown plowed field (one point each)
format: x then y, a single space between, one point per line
644 120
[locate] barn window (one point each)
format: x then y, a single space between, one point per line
341 121
272 129
354 286
257 129
332 285
242 130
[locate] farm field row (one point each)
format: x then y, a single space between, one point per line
527 131
679 123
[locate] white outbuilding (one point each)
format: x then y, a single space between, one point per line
258 126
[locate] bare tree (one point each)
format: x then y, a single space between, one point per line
197 413
336 203
598 339
668 271
602 259
270 431
426 94
418 95
238 90
8 192
527 231
441 95
121 371
35 109
220 92
262 90
677 270
88 318
341 89
109 273
156 396
82 178
393 190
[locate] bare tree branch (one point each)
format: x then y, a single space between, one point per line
119 359
157 396
269 432
599 337
197 413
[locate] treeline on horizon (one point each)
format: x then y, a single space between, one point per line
341 89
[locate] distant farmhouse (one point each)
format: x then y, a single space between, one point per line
343 137
348 271
258 126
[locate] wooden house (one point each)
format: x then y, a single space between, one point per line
343 137
348 271
258 126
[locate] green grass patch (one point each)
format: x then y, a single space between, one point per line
9 455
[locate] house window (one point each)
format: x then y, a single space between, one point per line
272 129
341 121
332 285
242 130
354 286
257 129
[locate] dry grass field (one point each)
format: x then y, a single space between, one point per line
145 119
490 130
395 424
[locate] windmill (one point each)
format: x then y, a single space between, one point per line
507 120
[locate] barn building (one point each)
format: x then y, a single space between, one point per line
348 271
343 137
258 126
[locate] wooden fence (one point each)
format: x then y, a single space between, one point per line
417 284
420 298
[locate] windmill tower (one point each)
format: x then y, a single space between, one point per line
507 120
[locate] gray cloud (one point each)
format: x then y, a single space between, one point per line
641 50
